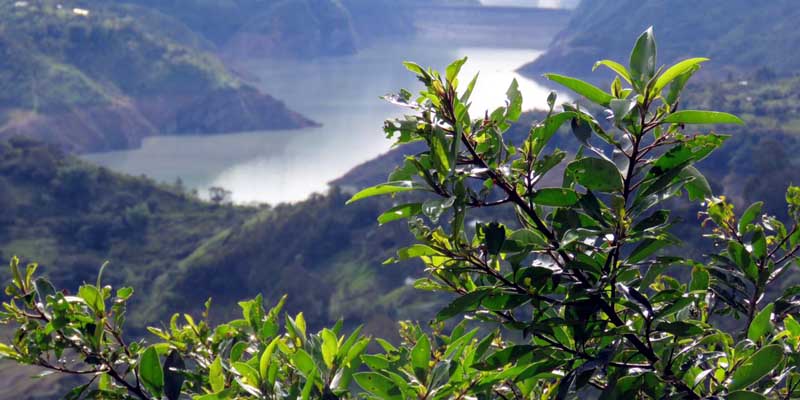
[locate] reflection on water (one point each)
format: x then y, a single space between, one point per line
341 93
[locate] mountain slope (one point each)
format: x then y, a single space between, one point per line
103 78
723 30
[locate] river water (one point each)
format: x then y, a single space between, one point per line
342 94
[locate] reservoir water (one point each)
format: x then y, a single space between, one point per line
342 94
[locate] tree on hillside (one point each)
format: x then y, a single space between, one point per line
584 294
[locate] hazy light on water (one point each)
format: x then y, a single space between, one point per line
341 93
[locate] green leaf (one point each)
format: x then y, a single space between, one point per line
330 346
792 325
93 297
621 108
454 68
439 152
421 357
248 373
306 393
675 71
542 133
417 69
680 328
416 250
215 375
749 215
702 117
595 174
465 303
495 237
745 395
379 385
759 242
697 187
504 357
173 375
678 84
385 188
585 89
514 96
759 364
646 249
266 357
762 323
555 197
150 372
616 67
220 395
643 59
400 212
303 361
700 279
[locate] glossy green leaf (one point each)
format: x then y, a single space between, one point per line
762 323
385 188
596 174
514 96
266 357
215 375
677 85
646 249
680 328
585 89
400 212
750 214
93 297
754 368
379 385
675 71
303 361
247 372
700 279
543 132
464 303
701 117
745 395
454 68
616 67
150 371
421 357
330 347
643 59
555 197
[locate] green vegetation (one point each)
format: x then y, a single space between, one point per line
581 294
736 34
106 76
75 216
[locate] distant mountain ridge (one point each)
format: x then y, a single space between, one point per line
719 29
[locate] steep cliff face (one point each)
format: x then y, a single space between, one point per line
103 78
719 29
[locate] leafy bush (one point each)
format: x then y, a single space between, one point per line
577 296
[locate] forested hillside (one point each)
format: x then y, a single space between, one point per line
735 34
105 77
